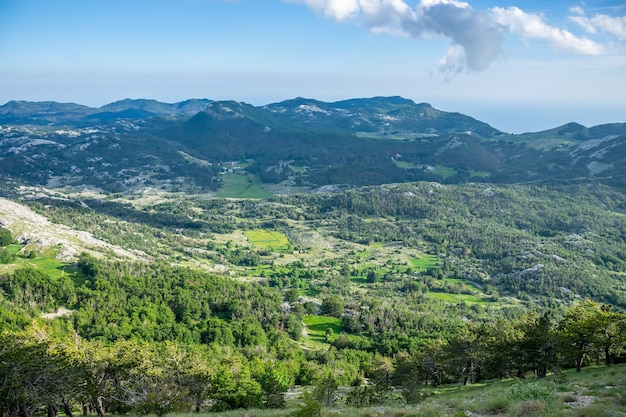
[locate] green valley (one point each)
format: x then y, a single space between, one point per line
359 258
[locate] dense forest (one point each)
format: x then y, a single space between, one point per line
230 304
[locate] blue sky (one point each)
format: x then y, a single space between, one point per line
519 66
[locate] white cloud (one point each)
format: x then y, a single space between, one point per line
601 22
577 10
476 36
473 30
584 23
454 60
532 26
336 9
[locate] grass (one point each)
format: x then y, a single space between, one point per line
14 249
54 268
48 264
239 185
387 136
268 239
424 262
458 281
457 298
482 174
443 171
503 398
316 326
404 164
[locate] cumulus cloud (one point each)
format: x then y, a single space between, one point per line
532 26
476 36
472 30
615 26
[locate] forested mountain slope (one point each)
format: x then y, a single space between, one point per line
215 255
301 142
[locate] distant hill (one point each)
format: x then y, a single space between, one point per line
46 112
300 142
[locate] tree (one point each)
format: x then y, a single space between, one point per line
326 389
6 238
332 306
6 257
581 329
536 349
88 265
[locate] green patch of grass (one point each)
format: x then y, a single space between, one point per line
444 171
458 281
54 268
268 239
14 249
51 266
240 185
457 298
298 169
316 326
404 164
482 174
359 279
387 136
424 262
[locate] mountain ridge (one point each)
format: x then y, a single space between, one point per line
298 142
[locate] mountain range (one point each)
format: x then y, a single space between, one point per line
304 143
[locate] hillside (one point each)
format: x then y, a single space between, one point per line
363 257
300 144
384 298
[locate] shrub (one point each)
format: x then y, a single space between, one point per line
6 257
498 404
530 408
6 238
532 390
310 408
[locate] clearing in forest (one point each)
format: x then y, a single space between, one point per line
268 239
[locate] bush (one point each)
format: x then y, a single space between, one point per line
6 238
499 404
532 390
310 408
531 408
6 257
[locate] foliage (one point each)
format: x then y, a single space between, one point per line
6 237
522 390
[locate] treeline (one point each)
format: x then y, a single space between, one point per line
152 338
45 370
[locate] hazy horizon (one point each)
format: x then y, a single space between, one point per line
517 67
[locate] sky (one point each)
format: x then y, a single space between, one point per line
519 66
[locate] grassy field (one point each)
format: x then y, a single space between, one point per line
444 171
14 249
457 298
479 173
316 326
54 268
460 281
268 239
239 185
424 262
404 164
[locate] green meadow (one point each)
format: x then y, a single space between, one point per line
424 262
268 239
239 185
316 326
